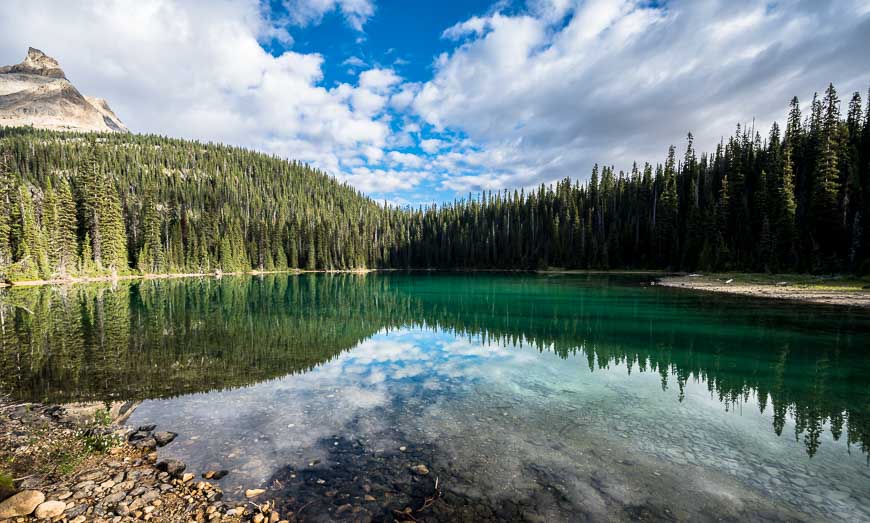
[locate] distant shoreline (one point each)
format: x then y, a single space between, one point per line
836 290
167 276
801 288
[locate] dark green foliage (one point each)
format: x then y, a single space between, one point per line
796 202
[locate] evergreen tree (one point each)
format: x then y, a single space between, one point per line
792 202
151 256
827 225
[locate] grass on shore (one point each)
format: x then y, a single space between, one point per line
56 453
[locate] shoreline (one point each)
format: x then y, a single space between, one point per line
170 276
793 288
832 290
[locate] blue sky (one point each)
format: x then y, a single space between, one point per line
402 35
421 102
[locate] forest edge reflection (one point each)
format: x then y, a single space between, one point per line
162 338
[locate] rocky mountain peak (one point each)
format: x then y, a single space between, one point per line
38 63
36 92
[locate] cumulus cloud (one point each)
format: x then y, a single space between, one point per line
405 159
546 92
431 145
198 70
522 95
378 180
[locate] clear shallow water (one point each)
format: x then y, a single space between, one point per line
528 397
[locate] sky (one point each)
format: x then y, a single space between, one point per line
418 102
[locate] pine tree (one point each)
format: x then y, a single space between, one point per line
91 192
785 215
151 256
802 196
87 266
114 239
67 227
827 226
7 185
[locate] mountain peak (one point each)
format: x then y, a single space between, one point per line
36 92
38 63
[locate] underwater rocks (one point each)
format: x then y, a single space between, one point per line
420 470
164 438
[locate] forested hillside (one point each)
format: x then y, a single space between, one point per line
793 200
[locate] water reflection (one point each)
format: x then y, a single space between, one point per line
511 433
163 338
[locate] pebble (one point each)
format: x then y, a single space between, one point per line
254 492
421 469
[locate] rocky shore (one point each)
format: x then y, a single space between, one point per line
781 288
82 464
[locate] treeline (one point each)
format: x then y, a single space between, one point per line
794 200
73 204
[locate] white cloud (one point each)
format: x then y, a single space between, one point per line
402 99
431 145
473 26
378 80
354 61
383 180
545 93
307 12
522 97
405 159
197 70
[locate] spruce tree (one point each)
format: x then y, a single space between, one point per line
827 225
7 185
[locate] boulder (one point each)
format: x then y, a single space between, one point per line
21 504
164 438
50 509
173 467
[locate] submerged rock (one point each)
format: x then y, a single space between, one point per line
211 474
164 438
421 469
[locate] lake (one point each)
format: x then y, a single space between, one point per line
526 397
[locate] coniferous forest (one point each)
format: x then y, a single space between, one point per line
794 199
